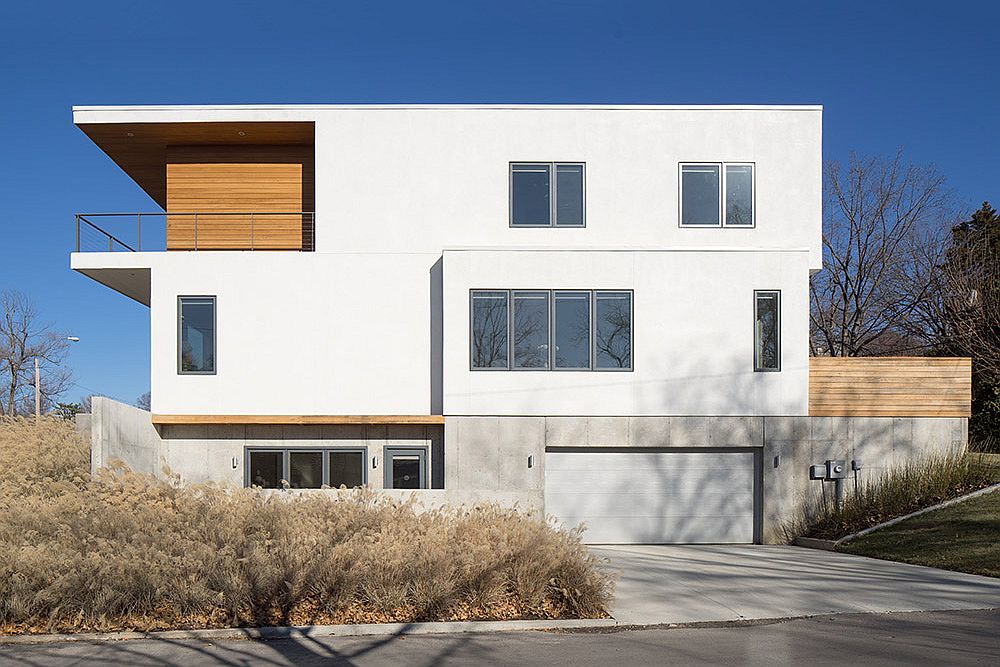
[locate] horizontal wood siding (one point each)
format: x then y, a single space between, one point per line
239 179
890 387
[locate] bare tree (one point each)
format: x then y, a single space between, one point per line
970 292
144 402
23 339
868 296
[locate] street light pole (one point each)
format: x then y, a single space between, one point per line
38 384
38 394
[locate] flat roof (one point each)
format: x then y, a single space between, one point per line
553 107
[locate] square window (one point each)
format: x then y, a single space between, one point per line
196 335
406 468
700 195
265 469
305 470
547 194
346 468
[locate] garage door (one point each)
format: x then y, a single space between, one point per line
653 497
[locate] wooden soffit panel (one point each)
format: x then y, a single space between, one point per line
890 387
140 149
298 419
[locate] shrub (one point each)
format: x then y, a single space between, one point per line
899 491
126 551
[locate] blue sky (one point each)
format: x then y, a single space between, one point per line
922 76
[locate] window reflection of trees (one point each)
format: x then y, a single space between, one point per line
613 340
489 332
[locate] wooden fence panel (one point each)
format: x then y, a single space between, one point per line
890 386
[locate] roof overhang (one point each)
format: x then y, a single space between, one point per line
140 148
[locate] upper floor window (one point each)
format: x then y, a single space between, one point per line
767 330
196 335
547 194
551 329
717 194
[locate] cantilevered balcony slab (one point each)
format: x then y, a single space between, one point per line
125 272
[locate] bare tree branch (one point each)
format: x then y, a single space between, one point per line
23 338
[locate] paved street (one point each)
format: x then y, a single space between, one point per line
940 638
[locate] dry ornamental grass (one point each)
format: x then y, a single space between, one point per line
126 551
918 484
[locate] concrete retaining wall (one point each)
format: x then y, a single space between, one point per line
502 459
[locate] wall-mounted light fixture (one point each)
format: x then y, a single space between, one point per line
375 462
531 461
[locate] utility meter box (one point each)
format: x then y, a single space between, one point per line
836 469
817 472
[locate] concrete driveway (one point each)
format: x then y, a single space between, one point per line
687 584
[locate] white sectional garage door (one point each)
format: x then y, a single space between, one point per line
653 497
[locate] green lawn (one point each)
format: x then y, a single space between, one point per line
964 537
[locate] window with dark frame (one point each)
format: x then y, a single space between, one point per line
405 468
196 335
306 468
767 330
717 194
547 194
551 330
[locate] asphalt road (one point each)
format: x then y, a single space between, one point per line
919 638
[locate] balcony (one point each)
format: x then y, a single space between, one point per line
205 230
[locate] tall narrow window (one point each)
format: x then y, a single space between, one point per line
530 330
196 334
767 331
700 187
572 330
489 329
530 190
613 325
569 195
739 195
547 194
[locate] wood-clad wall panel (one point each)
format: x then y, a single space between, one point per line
890 387
239 179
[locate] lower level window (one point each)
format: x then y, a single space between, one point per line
305 468
406 468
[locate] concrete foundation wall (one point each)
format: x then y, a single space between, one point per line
502 459
492 453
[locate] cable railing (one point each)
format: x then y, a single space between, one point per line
206 230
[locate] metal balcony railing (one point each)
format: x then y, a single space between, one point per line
208 230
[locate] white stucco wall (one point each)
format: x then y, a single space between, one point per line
692 338
353 327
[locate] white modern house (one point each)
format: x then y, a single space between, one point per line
597 311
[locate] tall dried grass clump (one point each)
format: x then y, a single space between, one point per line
126 551
917 484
